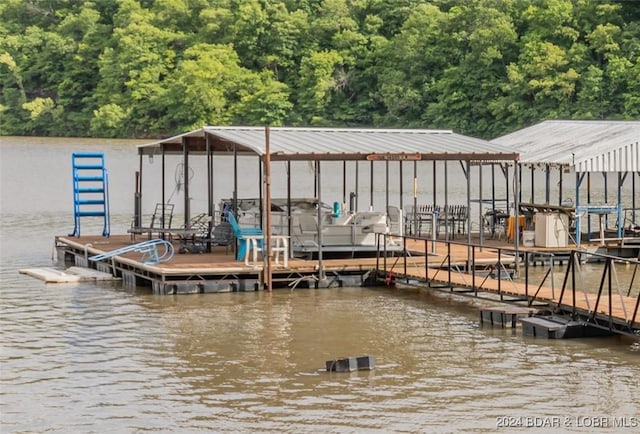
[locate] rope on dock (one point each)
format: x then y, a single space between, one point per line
296 282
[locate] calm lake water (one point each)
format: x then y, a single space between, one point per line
100 358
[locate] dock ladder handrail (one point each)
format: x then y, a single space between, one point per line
150 253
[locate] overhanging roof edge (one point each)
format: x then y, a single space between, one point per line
334 144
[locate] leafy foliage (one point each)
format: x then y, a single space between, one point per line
149 68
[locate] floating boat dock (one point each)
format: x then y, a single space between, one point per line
440 265
217 271
483 269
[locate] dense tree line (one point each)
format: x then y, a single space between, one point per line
144 68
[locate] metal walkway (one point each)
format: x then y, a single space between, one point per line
605 304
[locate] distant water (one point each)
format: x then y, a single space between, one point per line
101 358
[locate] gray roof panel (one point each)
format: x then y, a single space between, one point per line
336 141
603 146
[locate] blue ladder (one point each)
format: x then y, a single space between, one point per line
90 189
149 249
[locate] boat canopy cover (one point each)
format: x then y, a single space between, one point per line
584 146
333 144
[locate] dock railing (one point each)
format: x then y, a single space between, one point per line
614 300
611 302
423 219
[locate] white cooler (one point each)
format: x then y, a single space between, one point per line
552 230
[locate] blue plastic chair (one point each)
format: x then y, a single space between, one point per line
241 234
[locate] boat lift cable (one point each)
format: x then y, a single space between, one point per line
178 177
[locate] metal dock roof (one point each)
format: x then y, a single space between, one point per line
585 146
334 143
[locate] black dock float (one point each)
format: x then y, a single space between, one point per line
349 364
557 327
505 316
538 327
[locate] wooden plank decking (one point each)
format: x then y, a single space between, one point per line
446 265
620 308
220 259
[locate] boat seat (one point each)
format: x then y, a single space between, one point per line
306 228
394 214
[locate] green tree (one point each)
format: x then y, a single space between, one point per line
410 65
133 71
75 89
140 68
210 87
263 101
41 56
317 82
13 96
485 40
266 34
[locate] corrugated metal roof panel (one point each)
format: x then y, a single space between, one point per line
305 141
602 146
623 159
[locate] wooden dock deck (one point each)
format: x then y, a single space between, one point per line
620 307
187 272
217 271
444 264
604 307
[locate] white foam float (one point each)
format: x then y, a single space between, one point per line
71 274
